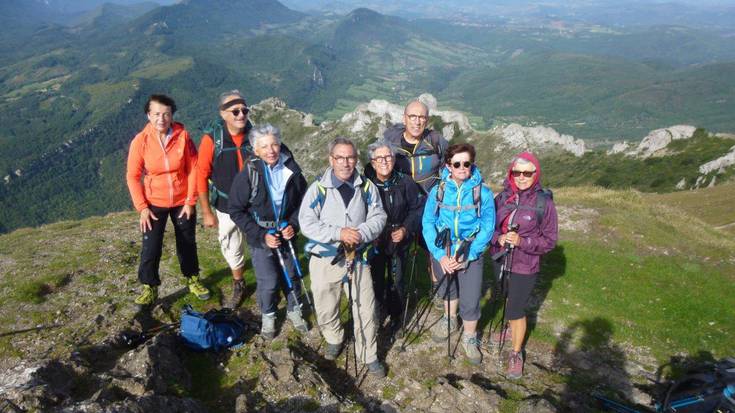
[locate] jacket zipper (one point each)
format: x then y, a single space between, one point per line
168 173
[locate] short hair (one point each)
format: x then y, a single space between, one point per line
162 99
459 148
521 162
263 130
380 143
426 108
224 95
341 140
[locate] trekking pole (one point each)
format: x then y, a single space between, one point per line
420 314
286 275
449 306
408 288
350 256
304 291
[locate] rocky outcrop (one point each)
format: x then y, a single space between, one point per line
657 141
720 164
529 138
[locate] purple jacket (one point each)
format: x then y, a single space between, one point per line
536 238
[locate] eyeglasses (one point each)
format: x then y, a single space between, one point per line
527 174
344 159
383 159
236 112
465 164
420 118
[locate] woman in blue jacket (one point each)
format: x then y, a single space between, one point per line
458 224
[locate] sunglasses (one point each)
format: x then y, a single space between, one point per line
527 174
236 112
466 164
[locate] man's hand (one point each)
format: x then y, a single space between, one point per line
210 219
350 236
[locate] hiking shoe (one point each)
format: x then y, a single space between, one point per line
196 288
268 326
147 297
501 336
297 320
515 366
439 330
471 345
332 351
238 290
377 369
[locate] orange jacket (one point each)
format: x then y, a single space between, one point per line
206 155
169 176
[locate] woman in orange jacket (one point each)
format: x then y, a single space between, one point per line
161 177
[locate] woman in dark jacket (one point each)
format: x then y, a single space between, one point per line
401 202
526 227
264 203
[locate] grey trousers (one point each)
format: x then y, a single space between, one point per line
469 292
327 285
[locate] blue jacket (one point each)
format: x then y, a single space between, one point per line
463 223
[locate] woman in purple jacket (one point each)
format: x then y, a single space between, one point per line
526 224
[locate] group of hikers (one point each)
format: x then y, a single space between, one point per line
416 189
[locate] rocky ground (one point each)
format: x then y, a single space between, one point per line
68 289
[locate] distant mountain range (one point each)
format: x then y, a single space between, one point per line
71 96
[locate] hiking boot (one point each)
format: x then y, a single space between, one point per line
332 351
147 297
377 369
297 320
501 336
439 330
471 345
515 365
268 326
196 288
238 290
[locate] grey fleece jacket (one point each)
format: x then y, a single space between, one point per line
322 226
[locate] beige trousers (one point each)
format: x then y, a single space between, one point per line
326 286
231 241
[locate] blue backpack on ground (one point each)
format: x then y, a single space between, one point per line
214 330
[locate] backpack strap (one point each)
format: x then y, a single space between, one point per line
254 179
542 197
476 200
321 194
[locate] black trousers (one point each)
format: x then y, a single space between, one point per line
186 245
389 294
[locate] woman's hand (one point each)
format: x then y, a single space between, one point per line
510 237
272 241
449 265
398 235
288 232
145 223
187 211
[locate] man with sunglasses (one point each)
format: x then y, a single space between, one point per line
222 152
419 154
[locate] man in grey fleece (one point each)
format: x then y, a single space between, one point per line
343 208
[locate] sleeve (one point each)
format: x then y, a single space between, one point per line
239 209
190 166
413 219
134 173
204 164
428 222
548 234
300 191
310 224
375 218
487 225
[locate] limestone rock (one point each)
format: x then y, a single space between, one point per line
719 164
659 139
528 138
153 367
